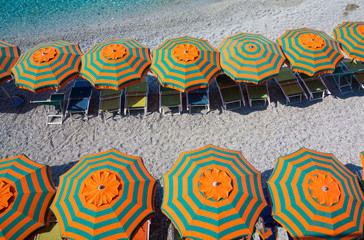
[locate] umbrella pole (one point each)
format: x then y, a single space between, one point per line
7 94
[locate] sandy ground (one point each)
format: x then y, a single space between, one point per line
261 134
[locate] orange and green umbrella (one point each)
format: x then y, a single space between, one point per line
185 63
26 191
213 193
351 37
116 63
251 58
310 51
104 196
47 66
9 55
316 196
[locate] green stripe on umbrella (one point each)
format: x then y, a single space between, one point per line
9 55
116 63
26 191
213 193
314 195
104 196
47 66
251 58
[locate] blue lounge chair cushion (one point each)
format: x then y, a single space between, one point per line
197 99
200 90
82 83
78 105
81 92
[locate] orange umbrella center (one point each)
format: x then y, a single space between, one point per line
186 52
324 189
114 51
312 41
44 54
250 47
215 184
5 194
100 188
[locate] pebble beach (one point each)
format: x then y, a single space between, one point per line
333 125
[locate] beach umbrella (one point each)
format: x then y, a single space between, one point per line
104 196
116 63
316 196
47 66
26 191
351 37
9 55
213 193
310 51
250 58
185 63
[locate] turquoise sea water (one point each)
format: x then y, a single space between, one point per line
40 16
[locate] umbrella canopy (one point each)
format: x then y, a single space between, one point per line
213 193
351 37
310 51
116 63
9 55
26 191
316 196
250 58
47 66
104 196
185 63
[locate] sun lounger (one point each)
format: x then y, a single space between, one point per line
258 93
169 98
343 78
357 68
79 100
51 232
143 231
198 98
289 85
136 97
315 86
230 92
110 102
54 107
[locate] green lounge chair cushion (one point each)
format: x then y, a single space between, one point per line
136 101
111 104
110 93
257 91
167 91
285 75
225 81
52 232
171 100
292 89
356 67
231 94
141 87
314 84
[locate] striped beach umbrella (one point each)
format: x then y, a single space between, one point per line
9 55
104 196
185 63
315 196
213 193
26 191
47 66
310 51
116 63
351 37
250 58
